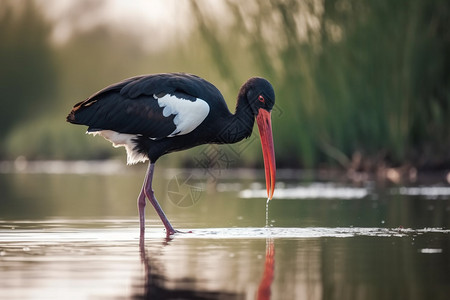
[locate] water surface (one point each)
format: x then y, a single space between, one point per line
75 236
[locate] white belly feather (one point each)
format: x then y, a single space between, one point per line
123 140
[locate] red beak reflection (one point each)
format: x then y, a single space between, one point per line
264 289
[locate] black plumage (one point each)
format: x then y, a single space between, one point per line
130 107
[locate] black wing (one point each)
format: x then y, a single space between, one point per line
130 106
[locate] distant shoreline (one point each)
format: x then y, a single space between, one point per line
404 174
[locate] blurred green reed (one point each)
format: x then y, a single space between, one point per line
357 82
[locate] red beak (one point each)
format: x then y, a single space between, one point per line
265 132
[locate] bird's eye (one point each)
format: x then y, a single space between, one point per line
261 99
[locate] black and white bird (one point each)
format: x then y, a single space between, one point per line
157 114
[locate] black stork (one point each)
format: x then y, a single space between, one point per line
153 115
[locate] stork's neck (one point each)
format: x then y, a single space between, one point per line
239 125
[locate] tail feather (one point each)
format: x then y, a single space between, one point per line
77 107
73 118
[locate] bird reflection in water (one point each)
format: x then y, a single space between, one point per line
155 282
264 289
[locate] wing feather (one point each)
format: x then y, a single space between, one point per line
131 106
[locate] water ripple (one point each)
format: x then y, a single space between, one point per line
309 232
52 232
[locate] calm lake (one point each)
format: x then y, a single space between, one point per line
71 231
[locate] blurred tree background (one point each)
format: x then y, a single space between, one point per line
359 84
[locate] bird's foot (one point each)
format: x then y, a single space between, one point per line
174 231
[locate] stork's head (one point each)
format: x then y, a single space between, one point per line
261 98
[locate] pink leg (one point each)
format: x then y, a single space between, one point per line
147 191
141 208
